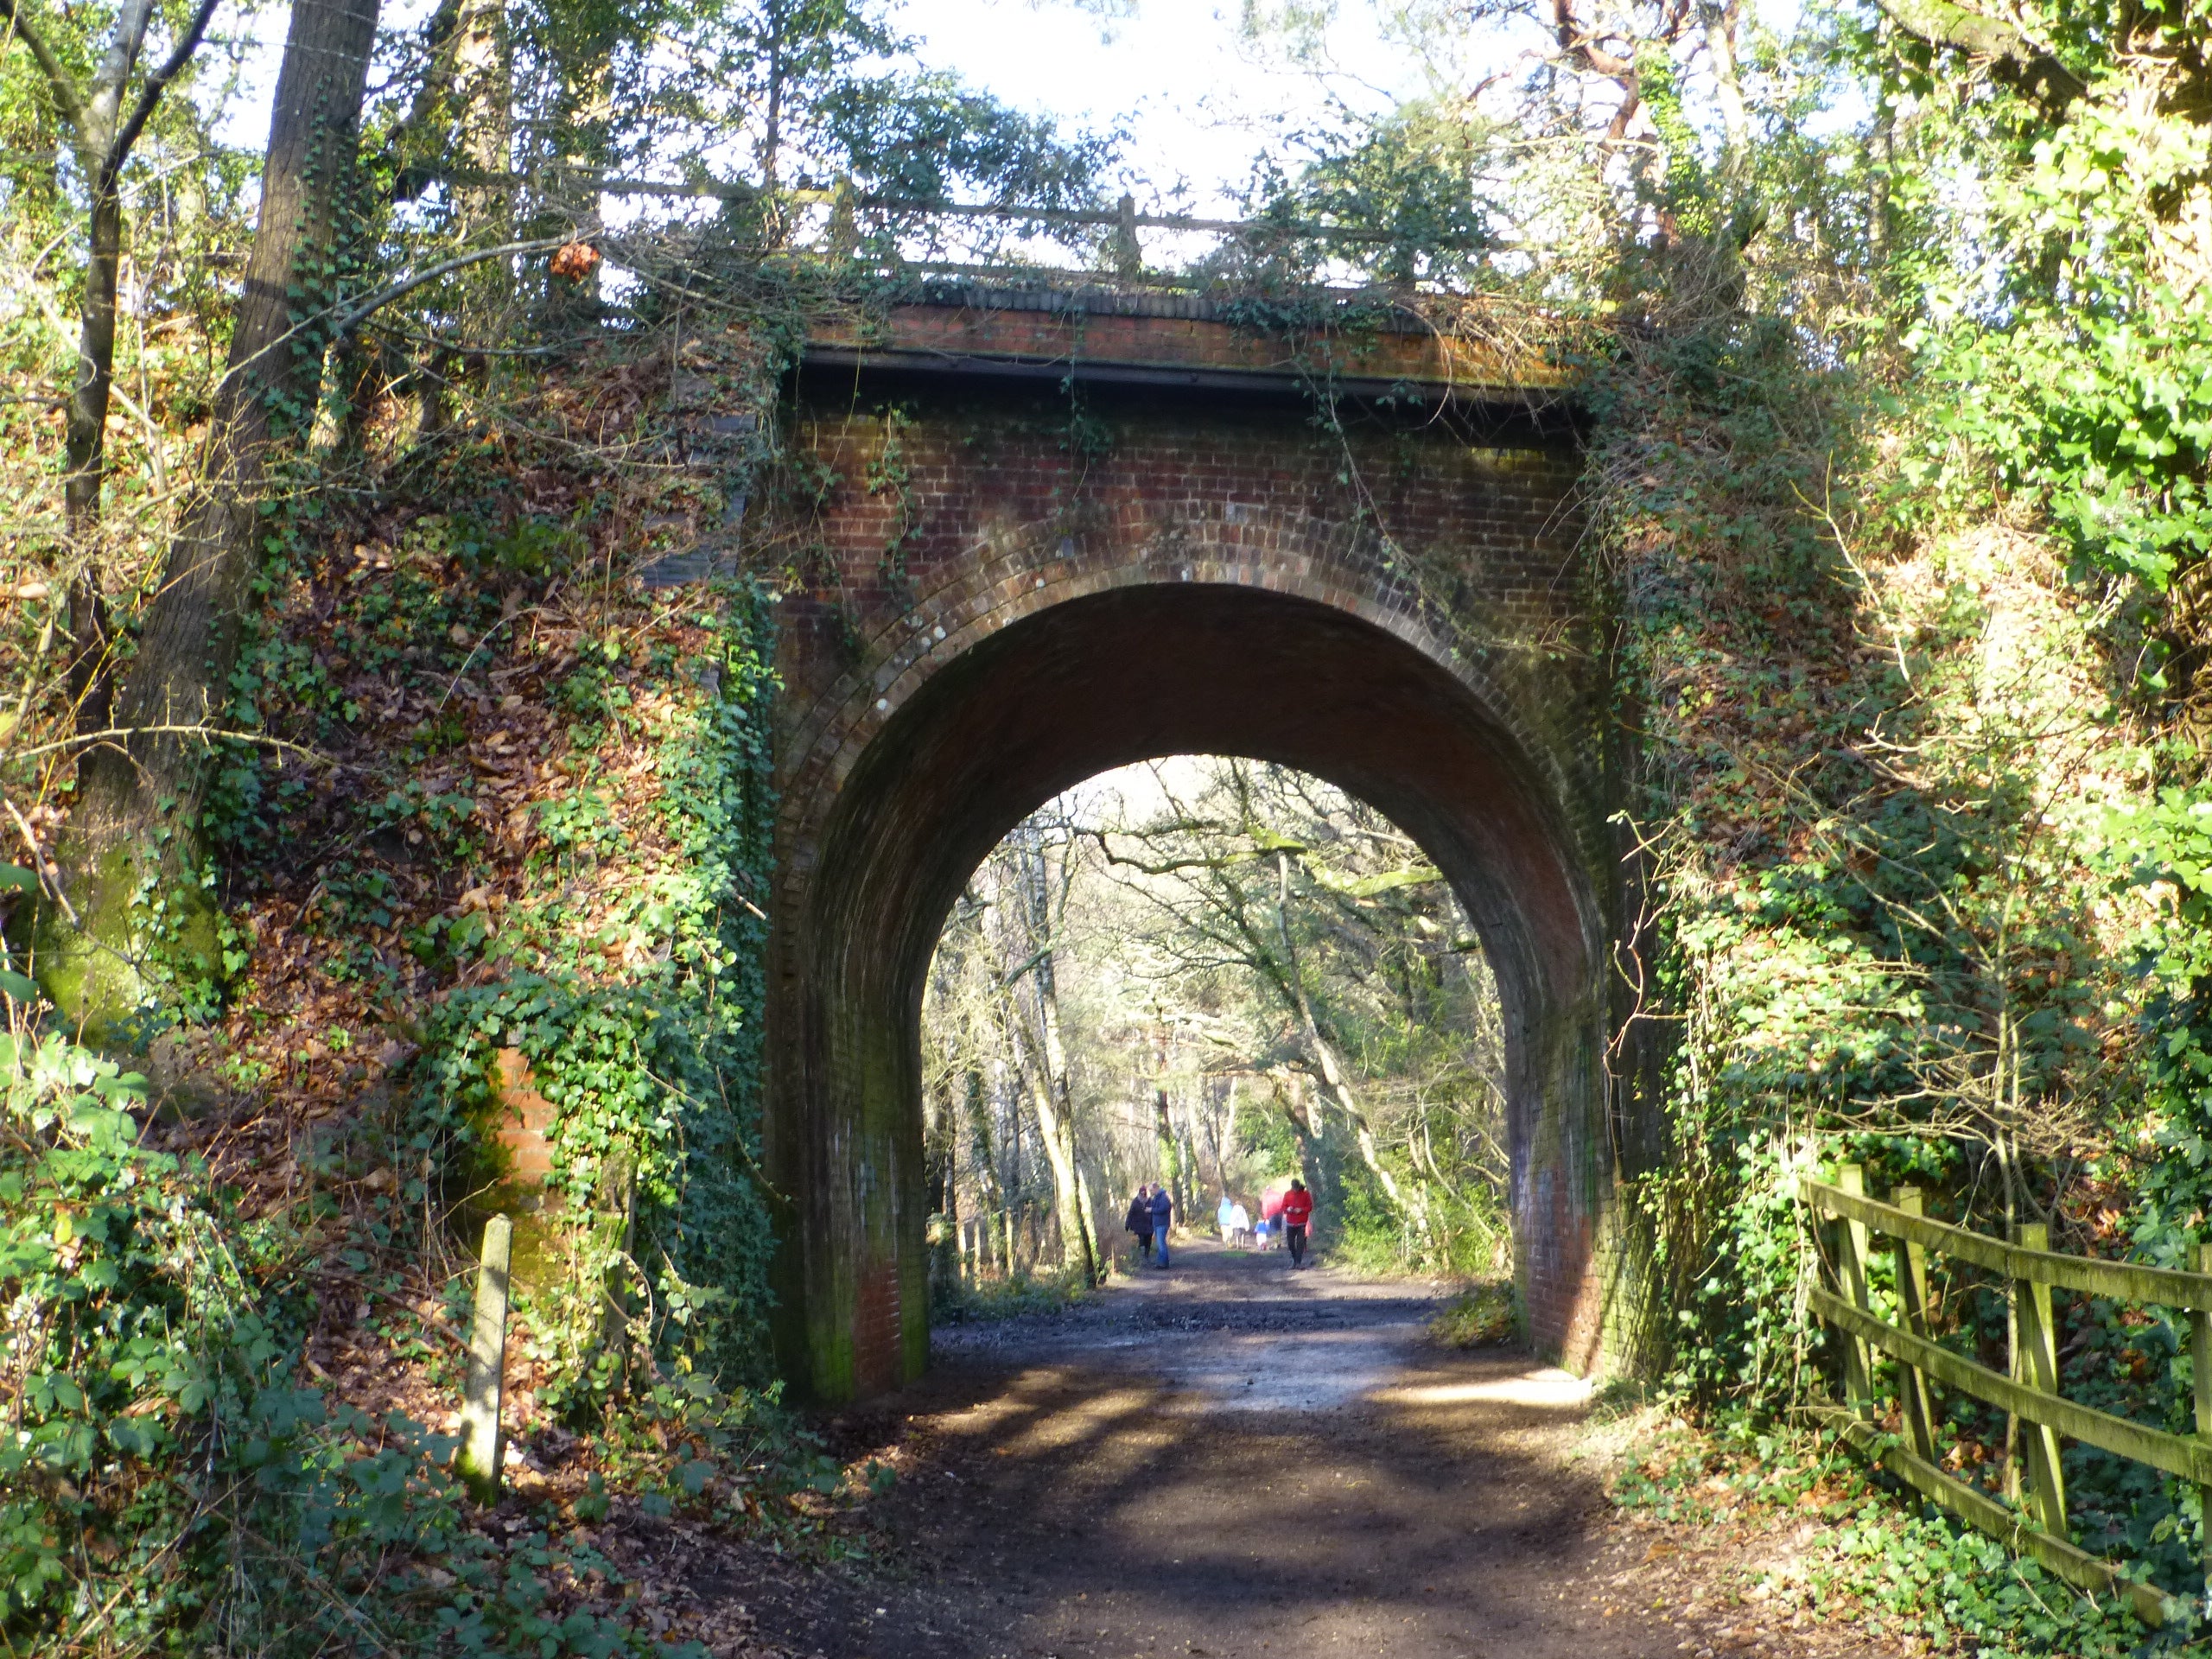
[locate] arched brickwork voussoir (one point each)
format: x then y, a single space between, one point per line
1019 571
1046 655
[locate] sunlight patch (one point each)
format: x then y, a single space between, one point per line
1549 1387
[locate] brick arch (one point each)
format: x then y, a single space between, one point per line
1021 571
1042 533
1050 655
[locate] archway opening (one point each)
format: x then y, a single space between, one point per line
914 787
1179 988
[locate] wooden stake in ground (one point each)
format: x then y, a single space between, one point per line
481 1443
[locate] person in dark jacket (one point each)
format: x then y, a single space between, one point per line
1163 1209
1139 1220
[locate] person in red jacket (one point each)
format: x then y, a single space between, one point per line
1297 1215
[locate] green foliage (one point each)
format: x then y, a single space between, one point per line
1891 1565
171 1483
2166 846
655 1077
2075 379
1019 1295
1894 917
164 1483
797 92
155 1445
924 137
1478 1316
1411 181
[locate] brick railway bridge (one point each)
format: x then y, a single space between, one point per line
1052 532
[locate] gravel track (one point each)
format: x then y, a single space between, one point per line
1232 1459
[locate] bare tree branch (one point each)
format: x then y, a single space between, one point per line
187 42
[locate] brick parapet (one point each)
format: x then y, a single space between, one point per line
1398 349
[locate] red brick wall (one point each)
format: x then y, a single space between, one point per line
1001 588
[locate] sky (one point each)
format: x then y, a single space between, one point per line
1196 100
1196 105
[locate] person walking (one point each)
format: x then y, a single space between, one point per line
1224 1215
1139 1220
1297 1217
1163 1209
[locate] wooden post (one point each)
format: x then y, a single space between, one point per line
1851 1280
2200 1333
482 1445
844 238
1128 252
1912 1306
616 1229
2035 1362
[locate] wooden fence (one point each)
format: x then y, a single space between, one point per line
2030 1392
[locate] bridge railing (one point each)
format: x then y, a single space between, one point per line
2029 1391
833 219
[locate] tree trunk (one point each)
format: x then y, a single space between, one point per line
1225 1140
1010 1183
1289 1087
190 642
1077 1245
1045 1073
103 134
91 686
1333 1077
990 1198
1721 22
483 96
1046 1067
1884 157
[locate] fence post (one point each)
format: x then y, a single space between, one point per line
2199 1334
2035 1362
480 1448
1851 1277
1128 252
1912 1304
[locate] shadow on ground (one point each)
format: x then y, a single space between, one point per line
1231 1458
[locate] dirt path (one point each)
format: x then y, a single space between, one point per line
1229 1458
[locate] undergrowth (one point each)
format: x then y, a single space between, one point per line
527 862
1879 1557
979 1301
173 1474
1479 1315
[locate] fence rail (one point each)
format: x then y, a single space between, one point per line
2030 1392
1123 217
